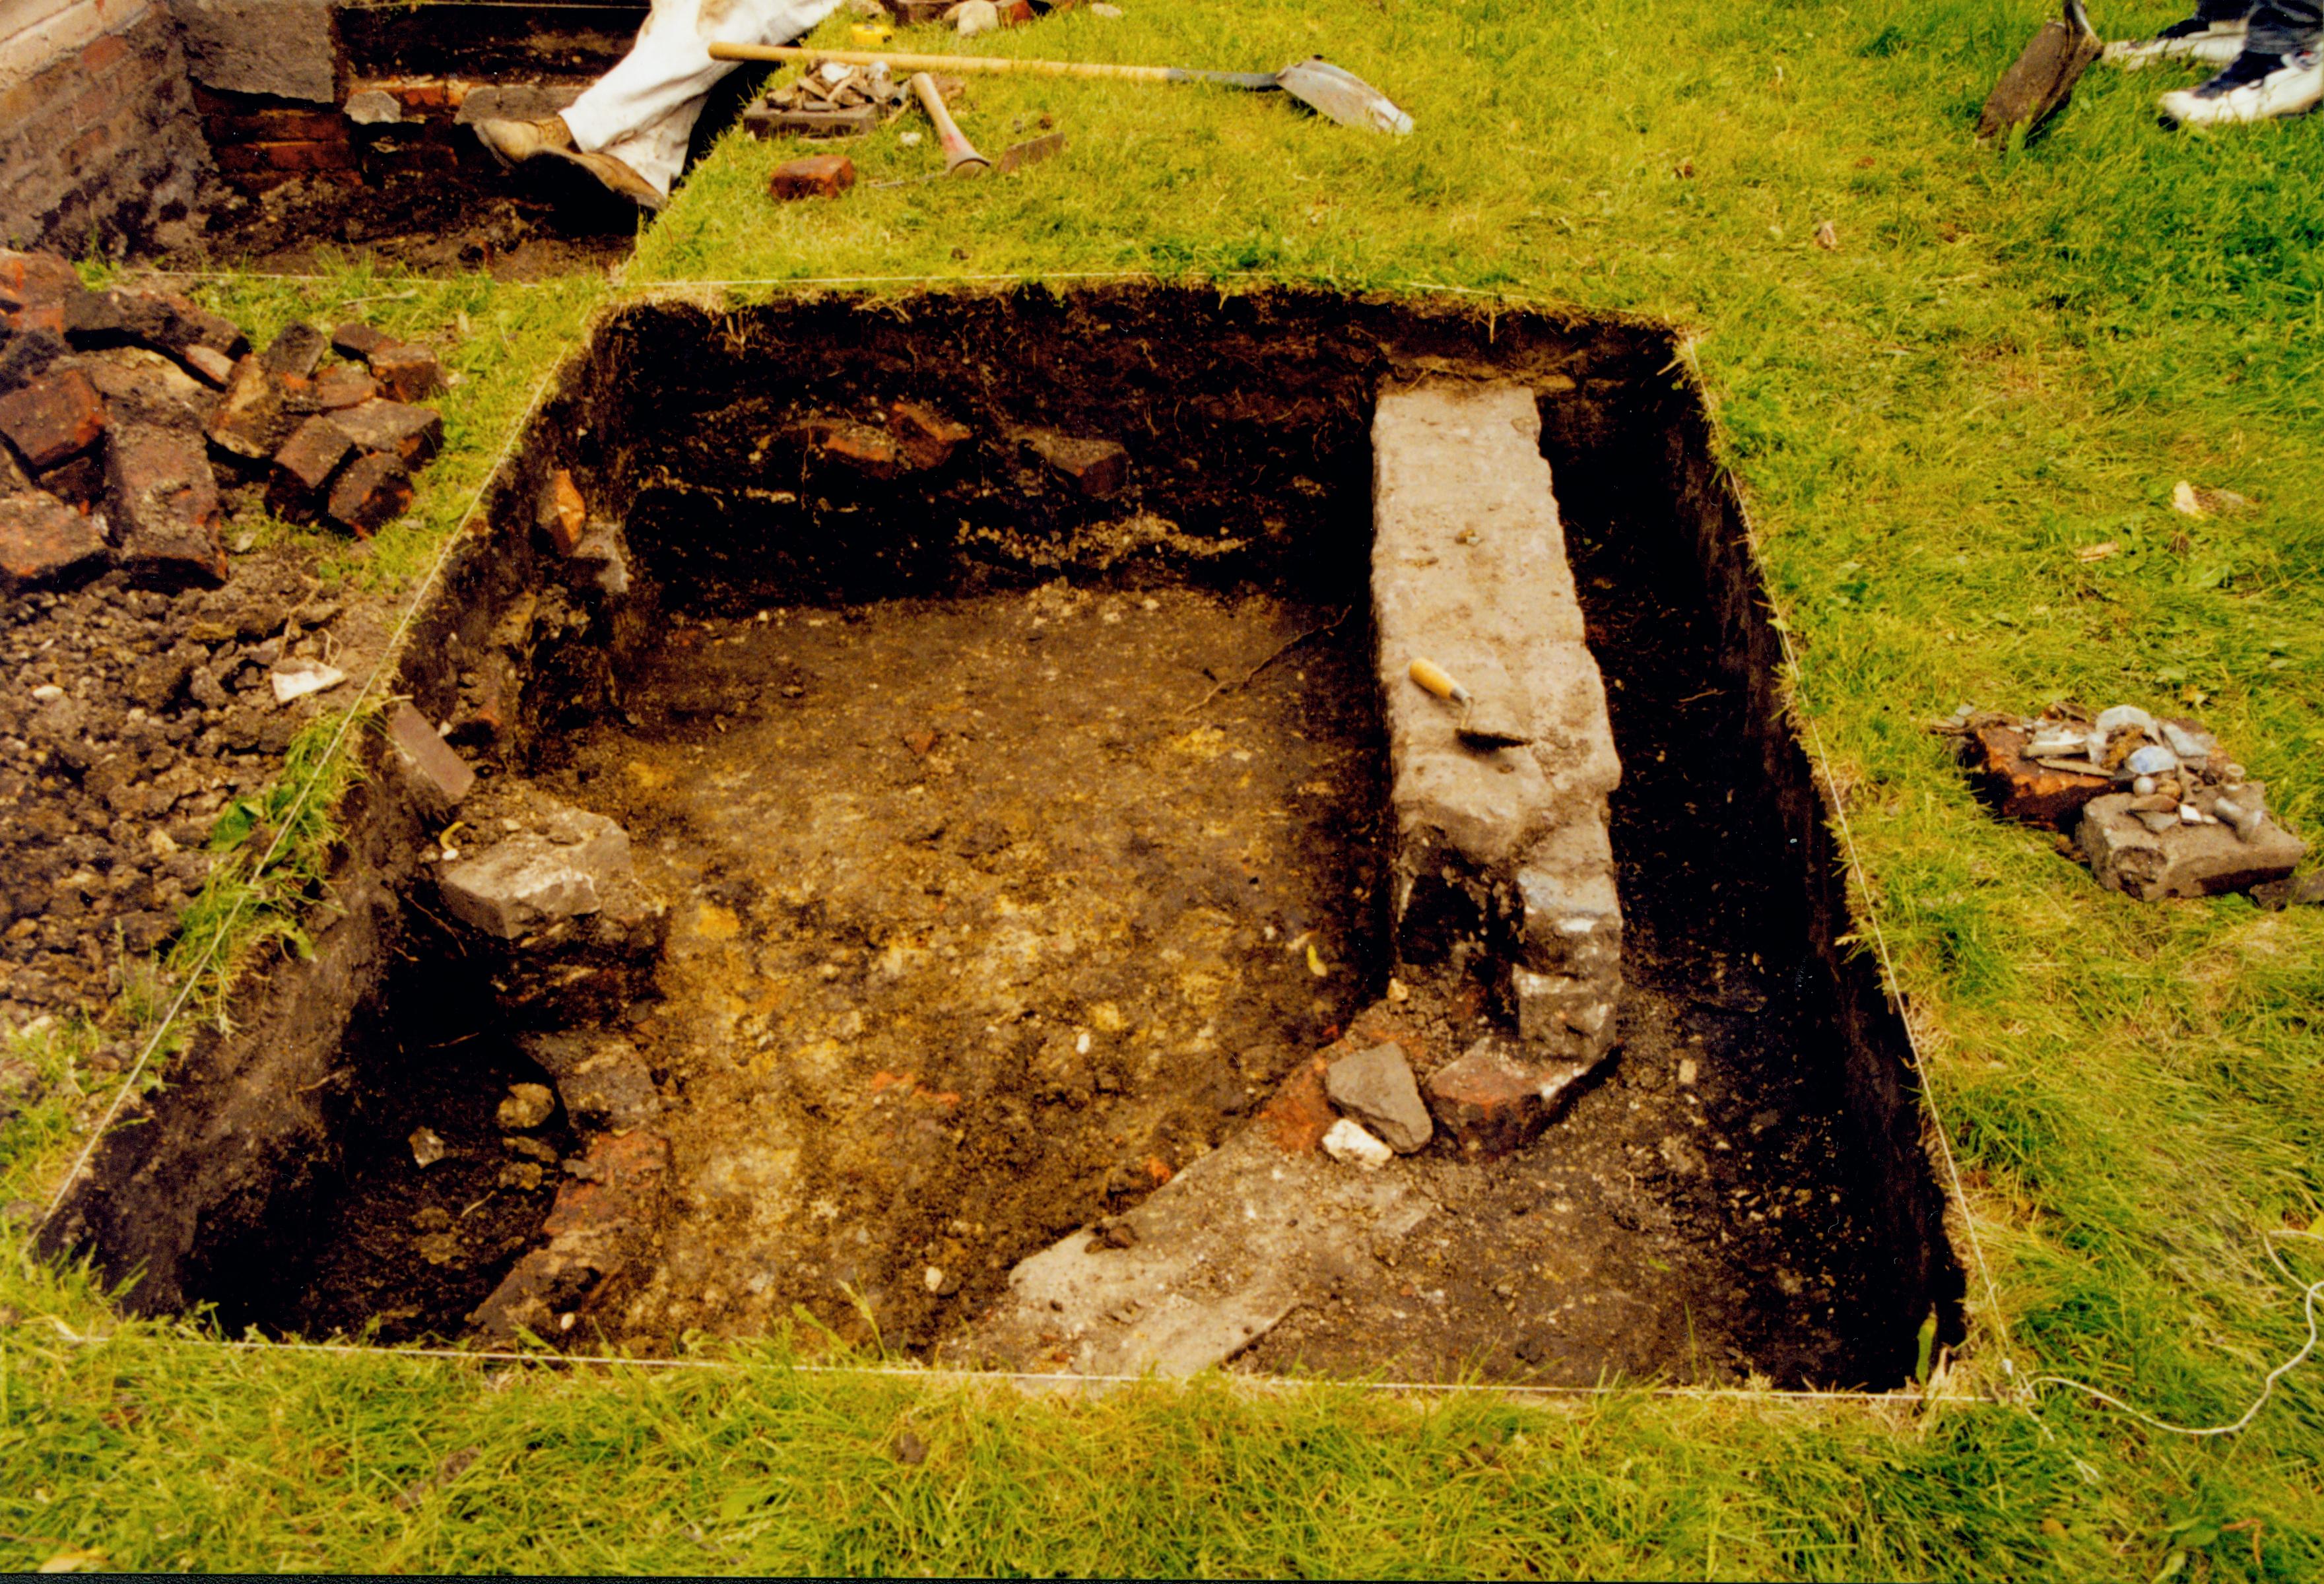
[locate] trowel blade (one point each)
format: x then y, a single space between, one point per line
1333 91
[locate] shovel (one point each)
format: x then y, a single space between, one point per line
1327 89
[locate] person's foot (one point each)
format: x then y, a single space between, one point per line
513 142
2213 43
2254 87
616 176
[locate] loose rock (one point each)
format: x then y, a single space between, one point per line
528 1106
1349 1143
1376 1087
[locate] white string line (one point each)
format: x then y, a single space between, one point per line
389 658
1277 1383
2315 1289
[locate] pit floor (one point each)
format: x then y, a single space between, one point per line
988 916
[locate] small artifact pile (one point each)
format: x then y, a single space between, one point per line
828 99
2155 808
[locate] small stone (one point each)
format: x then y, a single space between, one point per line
358 340
522 1175
528 1105
933 1279
2306 890
2111 721
296 678
426 1148
563 512
874 453
54 417
1346 1142
295 351
2143 786
910 1450
412 435
372 107
816 176
437 1248
1097 468
407 373
975 17
1376 1087
373 491
1099 8
46 544
2151 761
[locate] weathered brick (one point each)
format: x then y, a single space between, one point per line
341 386
164 505
156 319
304 466
251 420
1097 468
410 434
303 158
407 373
56 416
26 355
211 364
373 491
816 176
79 480
927 437
357 340
294 353
34 288
874 453
106 52
2018 787
46 544
437 777
563 514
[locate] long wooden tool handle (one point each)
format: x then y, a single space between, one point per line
992 63
961 158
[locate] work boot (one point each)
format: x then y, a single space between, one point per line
2254 87
2212 43
615 176
513 142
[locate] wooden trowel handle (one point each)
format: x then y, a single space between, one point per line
961 158
987 63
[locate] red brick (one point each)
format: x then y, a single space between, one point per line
928 437
410 434
1097 468
34 288
563 512
304 466
250 420
164 505
343 385
80 482
859 445
1298 1114
373 491
2020 789
46 544
816 176
54 417
107 52
357 340
1488 1101
303 158
624 1182
407 372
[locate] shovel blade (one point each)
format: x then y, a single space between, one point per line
1341 96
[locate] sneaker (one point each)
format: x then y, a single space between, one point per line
2254 87
513 142
2213 43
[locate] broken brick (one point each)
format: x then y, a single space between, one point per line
52 418
2018 788
251 420
928 439
341 386
438 777
26 355
410 434
210 363
859 445
79 482
304 466
141 386
357 340
46 544
373 491
296 350
1097 468
407 372
816 176
1489 1101
563 512
33 290
155 319
164 505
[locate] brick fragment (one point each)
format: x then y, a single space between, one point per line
437 777
563 514
407 372
927 437
1097 468
296 350
211 364
816 176
341 386
1488 1101
26 355
80 482
2018 788
410 434
358 340
2183 860
46 544
869 451
161 320
373 491
163 506
34 290
53 417
250 419
140 386
304 466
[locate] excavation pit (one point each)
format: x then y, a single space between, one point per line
1017 807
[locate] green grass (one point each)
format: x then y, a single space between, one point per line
2010 357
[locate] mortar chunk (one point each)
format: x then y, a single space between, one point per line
1376 1087
535 878
2182 860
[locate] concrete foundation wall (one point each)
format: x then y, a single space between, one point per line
100 143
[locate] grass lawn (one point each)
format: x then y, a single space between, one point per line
2008 360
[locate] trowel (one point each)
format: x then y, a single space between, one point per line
1496 717
1331 91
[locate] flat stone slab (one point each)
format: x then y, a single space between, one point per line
561 867
1200 1270
2180 860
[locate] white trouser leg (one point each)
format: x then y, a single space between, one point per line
642 112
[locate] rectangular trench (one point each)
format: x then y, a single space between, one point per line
1020 835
